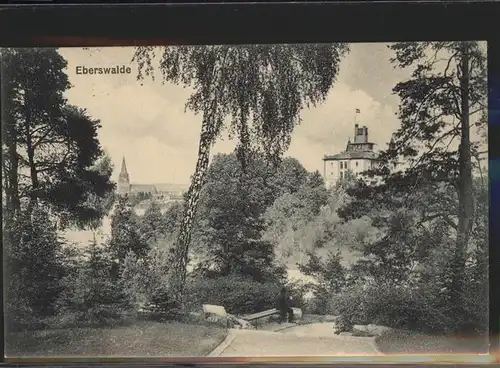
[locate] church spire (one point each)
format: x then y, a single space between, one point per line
123 179
124 167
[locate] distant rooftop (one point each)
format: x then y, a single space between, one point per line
352 155
360 148
146 188
169 187
159 188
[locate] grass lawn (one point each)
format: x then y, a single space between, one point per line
150 339
406 342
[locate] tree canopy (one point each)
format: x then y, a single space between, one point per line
51 153
427 192
259 90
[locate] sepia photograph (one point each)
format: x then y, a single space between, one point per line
245 200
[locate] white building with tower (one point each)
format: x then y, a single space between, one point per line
358 157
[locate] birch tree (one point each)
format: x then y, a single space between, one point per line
259 90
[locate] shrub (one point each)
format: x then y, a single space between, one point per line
134 279
425 306
419 308
474 316
238 295
146 282
331 278
33 269
163 307
321 301
91 296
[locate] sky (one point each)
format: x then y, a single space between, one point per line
146 122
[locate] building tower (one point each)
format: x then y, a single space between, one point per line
358 157
123 179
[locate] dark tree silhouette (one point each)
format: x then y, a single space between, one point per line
51 153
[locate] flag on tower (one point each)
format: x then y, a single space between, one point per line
358 112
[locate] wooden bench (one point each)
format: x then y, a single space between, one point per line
263 314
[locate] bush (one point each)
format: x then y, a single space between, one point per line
146 283
321 302
421 309
163 306
331 278
426 306
146 280
474 316
33 269
238 295
91 296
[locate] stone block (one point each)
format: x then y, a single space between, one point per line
217 310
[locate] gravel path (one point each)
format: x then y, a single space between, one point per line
306 340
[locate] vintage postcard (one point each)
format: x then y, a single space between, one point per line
245 200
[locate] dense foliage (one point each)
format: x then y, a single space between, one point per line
442 137
91 295
425 266
125 236
400 253
259 89
50 150
34 269
232 204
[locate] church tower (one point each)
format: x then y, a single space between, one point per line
123 179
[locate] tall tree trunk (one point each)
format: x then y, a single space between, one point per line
181 251
10 161
14 177
35 184
465 195
10 167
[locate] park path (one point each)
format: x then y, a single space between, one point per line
306 340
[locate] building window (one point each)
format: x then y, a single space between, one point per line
356 163
341 175
341 165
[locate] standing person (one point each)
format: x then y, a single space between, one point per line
284 306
